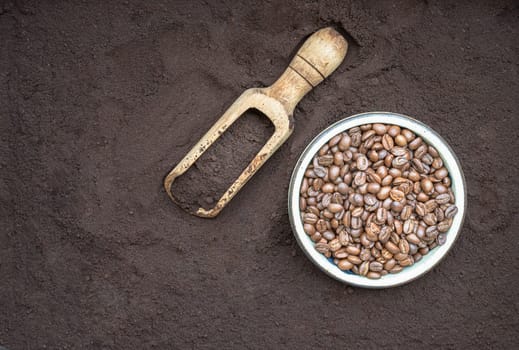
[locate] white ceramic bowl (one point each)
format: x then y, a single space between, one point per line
428 261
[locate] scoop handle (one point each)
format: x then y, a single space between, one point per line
319 56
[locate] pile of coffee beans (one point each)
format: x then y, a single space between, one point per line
376 198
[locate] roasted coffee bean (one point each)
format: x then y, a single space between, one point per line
322 247
373 188
397 207
407 261
359 179
399 227
302 203
325 160
409 226
309 229
400 140
451 211
444 226
365 241
406 213
392 248
431 231
430 219
364 268
316 237
376 266
412 238
398 151
413 145
441 239
404 246
353 250
335 208
443 198
344 238
387 142
427 185
320 171
310 218
396 269
384 234
400 256
344 264
373 275
389 264
384 193
328 235
393 130
441 173
335 245
354 259
422 197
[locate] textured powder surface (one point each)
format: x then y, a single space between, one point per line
100 99
207 180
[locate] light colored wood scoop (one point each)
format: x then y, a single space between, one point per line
319 56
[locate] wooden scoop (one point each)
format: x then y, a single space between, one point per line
319 56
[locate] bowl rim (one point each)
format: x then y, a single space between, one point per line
408 274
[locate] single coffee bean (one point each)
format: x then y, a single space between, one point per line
316 237
309 229
443 198
373 275
344 264
335 208
408 134
389 264
441 173
412 238
364 268
387 142
451 211
427 159
354 259
437 163
322 247
407 261
422 197
335 245
430 219
384 193
362 162
310 218
413 145
393 130
396 195
302 203
328 235
353 250
376 266
396 269
431 231
404 246
427 185
444 226
359 179
325 160
392 248
400 140
380 129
